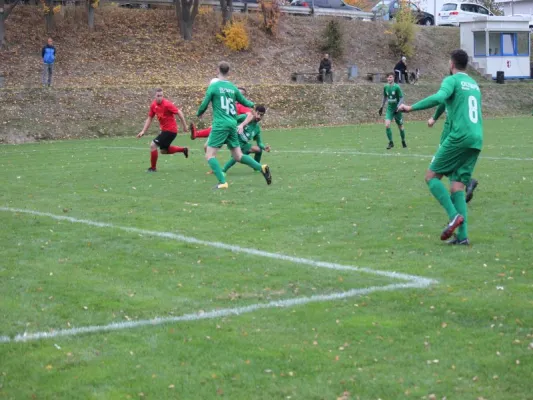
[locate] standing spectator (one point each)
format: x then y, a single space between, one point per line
49 56
325 68
400 71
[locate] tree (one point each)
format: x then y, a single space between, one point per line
91 5
227 11
4 13
186 11
493 6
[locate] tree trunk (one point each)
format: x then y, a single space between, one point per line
49 18
227 11
186 11
4 13
90 12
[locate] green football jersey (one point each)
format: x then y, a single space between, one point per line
252 131
222 95
393 93
462 98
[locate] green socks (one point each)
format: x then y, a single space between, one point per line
402 135
246 159
231 162
257 156
438 190
389 133
215 166
459 201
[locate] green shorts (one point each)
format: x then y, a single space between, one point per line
397 116
457 163
223 136
246 147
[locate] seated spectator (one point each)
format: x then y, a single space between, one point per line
324 69
400 71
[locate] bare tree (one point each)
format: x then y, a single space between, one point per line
91 4
493 6
186 11
49 15
4 13
227 11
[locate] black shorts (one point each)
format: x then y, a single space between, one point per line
165 139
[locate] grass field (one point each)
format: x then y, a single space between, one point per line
285 291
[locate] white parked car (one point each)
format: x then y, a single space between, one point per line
453 11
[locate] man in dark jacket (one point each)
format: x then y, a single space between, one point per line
49 56
400 71
325 68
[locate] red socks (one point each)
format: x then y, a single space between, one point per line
203 132
175 149
153 158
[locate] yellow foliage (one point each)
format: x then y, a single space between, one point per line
234 36
204 10
403 30
56 9
95 3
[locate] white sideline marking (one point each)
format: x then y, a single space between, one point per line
413 281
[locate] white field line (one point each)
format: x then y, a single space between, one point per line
413 281
315 152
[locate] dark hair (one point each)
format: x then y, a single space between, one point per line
460 59
390 74
159 90
260 108
223 67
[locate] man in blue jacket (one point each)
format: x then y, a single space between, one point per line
49 56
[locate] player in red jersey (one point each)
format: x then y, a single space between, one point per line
165 111
203 133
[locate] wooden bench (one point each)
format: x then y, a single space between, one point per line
377 77
300 77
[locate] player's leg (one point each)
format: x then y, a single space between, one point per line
231 162
236 153
388 130
470 189
447 160
174 149
216 141
154 153
460 178
398 118
258 153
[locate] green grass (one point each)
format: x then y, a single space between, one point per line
336 197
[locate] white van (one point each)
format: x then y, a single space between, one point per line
452 11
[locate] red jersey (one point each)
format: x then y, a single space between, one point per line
165 114
242 109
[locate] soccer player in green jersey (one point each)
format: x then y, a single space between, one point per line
445 132
393 96
458 154
222 94
250 130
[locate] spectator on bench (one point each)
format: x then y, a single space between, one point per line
400 71
325 68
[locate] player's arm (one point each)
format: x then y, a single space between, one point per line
445 91
181 117
243 100
205 103
400 98
249 118
438 112
146 125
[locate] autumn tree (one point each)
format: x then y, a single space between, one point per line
4 13
91 6
186 12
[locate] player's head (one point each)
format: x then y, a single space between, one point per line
158 95
458 60
259 112
223 68
390 78
242 90
50 41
